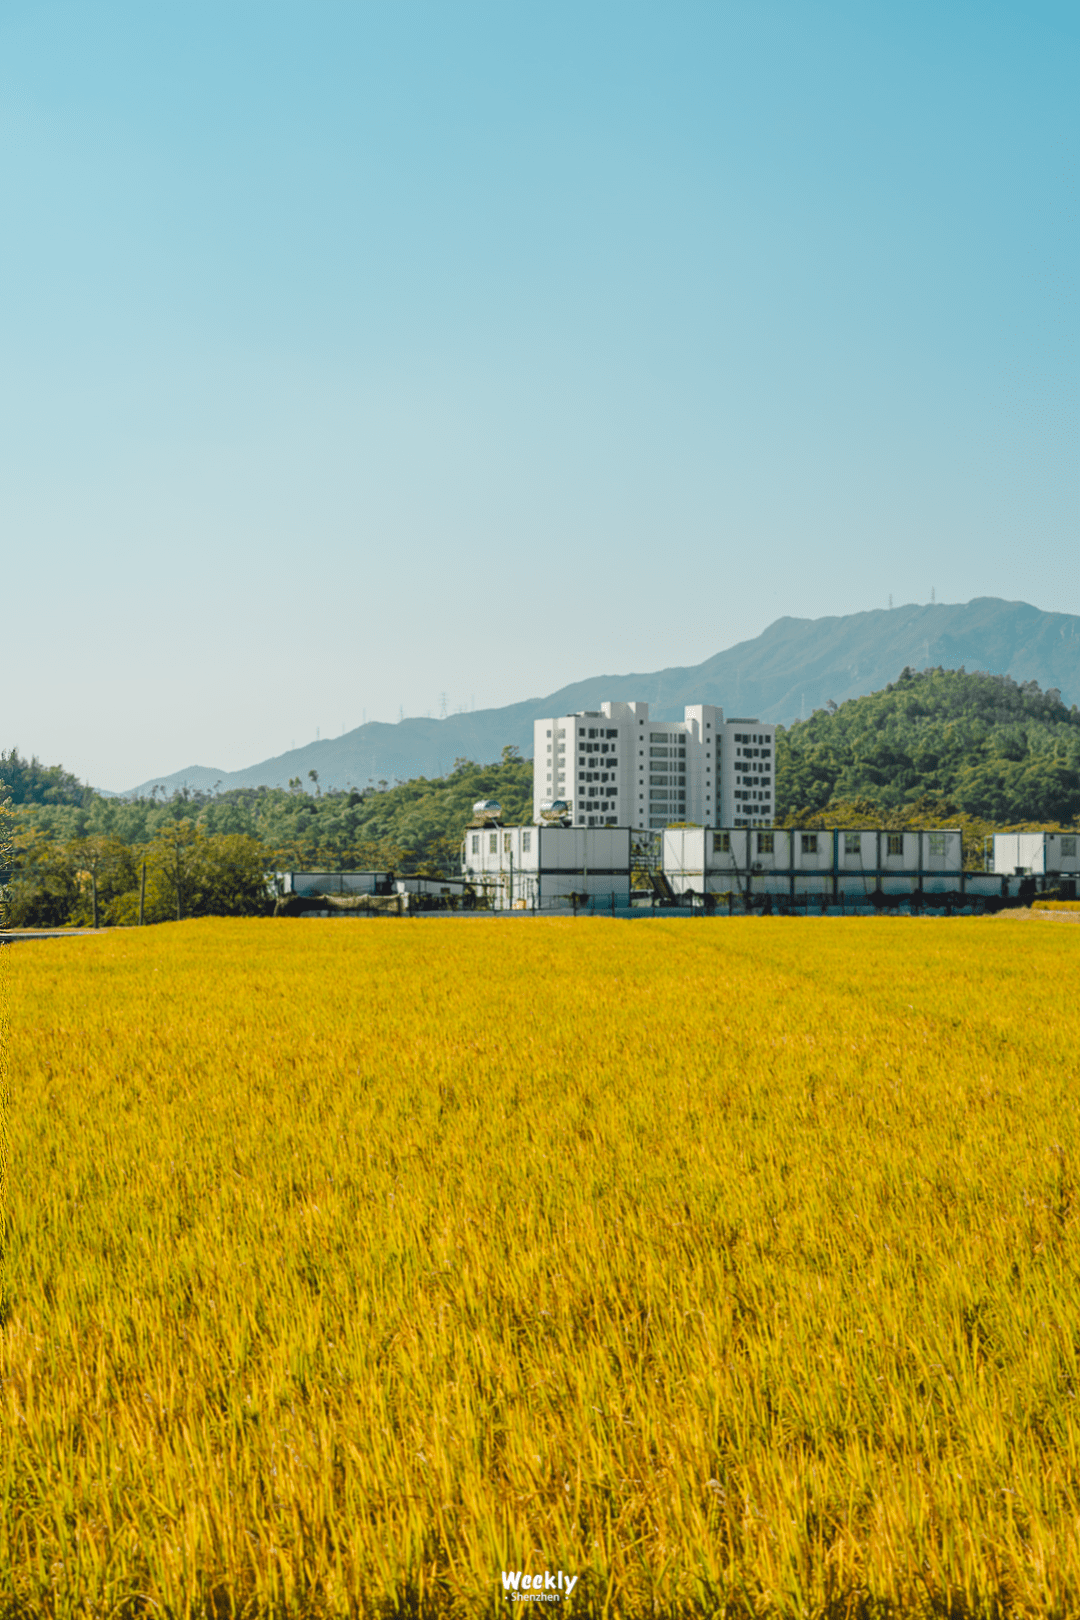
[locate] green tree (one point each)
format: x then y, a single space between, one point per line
104 869
174 856
29 782
232 876
43 890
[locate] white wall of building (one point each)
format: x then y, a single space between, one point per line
616 767
589 759
747 774
543 866
1036 853
715 860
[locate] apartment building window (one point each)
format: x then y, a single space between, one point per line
809 843
853 843
766 843
937 843
894 844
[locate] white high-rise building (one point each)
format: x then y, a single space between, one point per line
617 768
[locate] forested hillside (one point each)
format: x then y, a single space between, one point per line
993 749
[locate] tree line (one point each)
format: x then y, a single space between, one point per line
75 856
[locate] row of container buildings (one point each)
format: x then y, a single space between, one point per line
553 868
541 867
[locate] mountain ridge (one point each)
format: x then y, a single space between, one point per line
793 667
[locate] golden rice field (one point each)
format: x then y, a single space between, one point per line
729 1267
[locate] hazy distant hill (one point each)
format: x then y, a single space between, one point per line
793 667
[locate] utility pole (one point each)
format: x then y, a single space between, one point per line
142 895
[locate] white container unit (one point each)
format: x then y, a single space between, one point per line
799 863
542 868
1037 854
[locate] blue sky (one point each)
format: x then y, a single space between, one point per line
354 354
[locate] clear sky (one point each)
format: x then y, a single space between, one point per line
356 354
